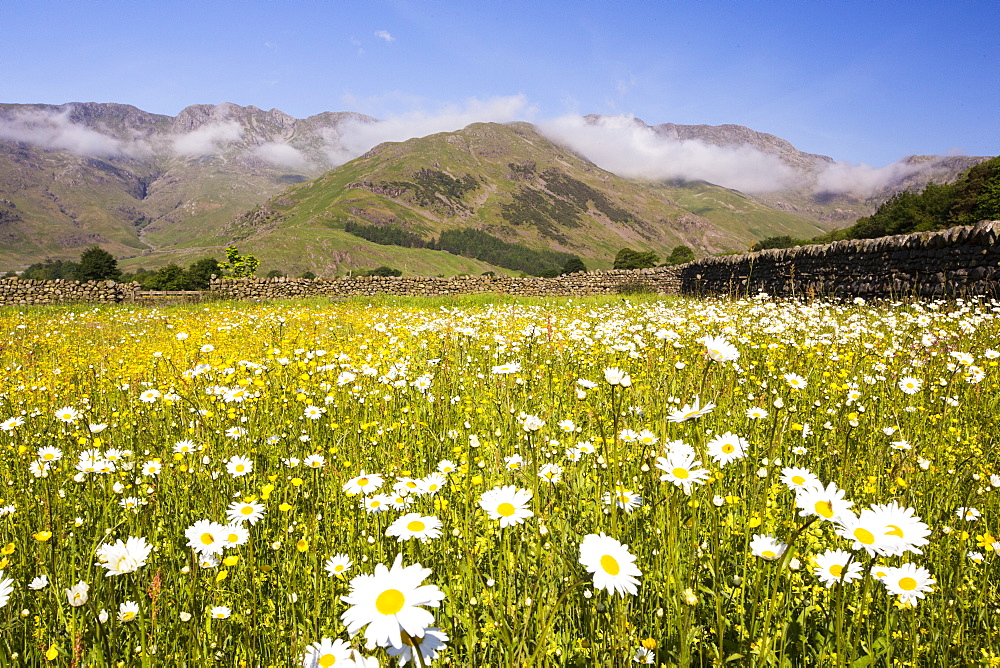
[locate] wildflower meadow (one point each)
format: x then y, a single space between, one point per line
589 482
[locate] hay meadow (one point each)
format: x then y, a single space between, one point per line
498 482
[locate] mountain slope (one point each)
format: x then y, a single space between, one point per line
82 174
514 184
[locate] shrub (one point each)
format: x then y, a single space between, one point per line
383 271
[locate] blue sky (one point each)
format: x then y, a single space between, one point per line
859 81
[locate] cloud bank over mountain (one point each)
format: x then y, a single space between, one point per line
208 139
53 130
844 177
620 144
627 147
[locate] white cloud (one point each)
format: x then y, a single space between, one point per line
281 155
844 177
356 137
207 139
384 34
55 131
629 148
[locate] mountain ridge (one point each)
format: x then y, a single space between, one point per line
151 186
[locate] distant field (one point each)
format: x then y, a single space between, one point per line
582 482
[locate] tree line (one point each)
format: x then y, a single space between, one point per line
97 264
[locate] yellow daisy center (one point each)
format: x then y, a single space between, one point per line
416 525
207 538
909 584
247 510
362 482
798 480
390 602
727 448
506 509
327 660
769 554
681 473
610 565
824 509
864 536
894 530
837 570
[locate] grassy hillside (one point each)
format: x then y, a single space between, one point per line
512 183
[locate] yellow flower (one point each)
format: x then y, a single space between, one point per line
222 575
284 507
754 522
8 548
296 481
52 652
231 560
42 536
302 545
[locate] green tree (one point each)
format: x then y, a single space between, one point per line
775 242
97 264
630 259
238 266
199 273
680 255
573 265
170 277
50 270
307 274
383 271
275 273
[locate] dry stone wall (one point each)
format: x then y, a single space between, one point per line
657 280
15 291
955 262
